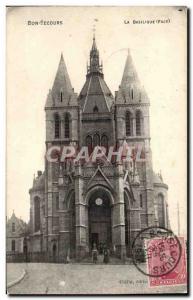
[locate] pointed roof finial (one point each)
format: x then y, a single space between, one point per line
62 57
94 47
129 74
62 80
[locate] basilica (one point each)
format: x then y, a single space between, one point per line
104 203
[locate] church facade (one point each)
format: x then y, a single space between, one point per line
76 205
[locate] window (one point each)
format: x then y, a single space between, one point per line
36 214
96 140
13 245
95 109
138 122
13 227
61 96
161 210
57 126
66 126
104 141
88 140
128 123
132 94
89 143
141 201
57 202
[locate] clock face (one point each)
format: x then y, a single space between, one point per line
99 201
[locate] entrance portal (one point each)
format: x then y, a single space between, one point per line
99 217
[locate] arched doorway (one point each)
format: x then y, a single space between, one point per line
99 220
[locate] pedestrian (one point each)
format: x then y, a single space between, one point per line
106 256
68 257
94 254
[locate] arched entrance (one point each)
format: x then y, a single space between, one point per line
99 220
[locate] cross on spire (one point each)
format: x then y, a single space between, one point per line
94 66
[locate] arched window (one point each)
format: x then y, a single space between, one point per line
67 126
13 227
132 94
95 109
128 123
138 123
96 140
13 245
57 202
36 214
57 126
89 143
141 201
61 96
161 210
104 141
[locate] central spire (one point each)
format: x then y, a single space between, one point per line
95 66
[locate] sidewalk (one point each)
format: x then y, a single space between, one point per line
15 273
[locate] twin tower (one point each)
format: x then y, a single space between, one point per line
74 207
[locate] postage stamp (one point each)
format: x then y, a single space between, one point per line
179 274
158 253
159 248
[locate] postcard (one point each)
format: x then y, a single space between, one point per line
96 150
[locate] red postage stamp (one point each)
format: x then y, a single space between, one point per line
166 257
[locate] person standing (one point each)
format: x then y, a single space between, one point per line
106 256
94 254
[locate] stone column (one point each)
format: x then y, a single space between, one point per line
134 215
118 214
120 127
149 186
80 207
74 128
48 202
64 217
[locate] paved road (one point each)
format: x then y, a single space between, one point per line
84 279
14 271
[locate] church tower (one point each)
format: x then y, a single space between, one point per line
78 205
96 104
62 114
132 123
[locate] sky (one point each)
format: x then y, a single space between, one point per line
159 55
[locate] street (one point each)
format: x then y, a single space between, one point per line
42 278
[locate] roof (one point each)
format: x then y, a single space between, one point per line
39 182
61 86
156 178
130 89
95 92
21 226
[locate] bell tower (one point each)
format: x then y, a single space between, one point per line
132 126
95 66
62 114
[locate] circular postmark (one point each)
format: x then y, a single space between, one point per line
159 248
